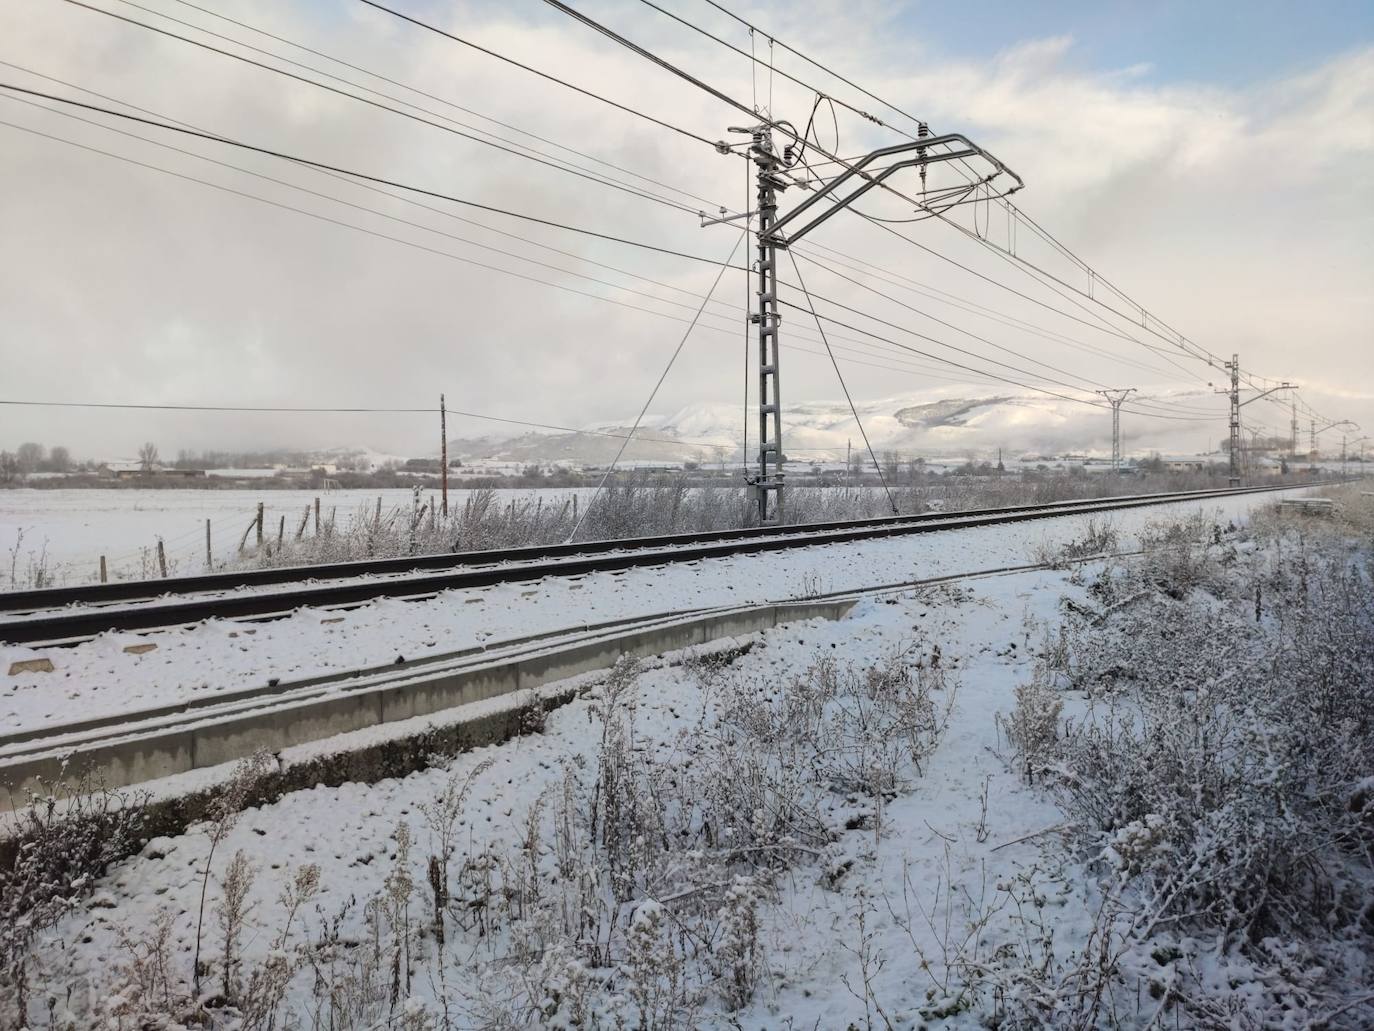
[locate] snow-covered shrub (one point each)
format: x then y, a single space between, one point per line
60 844
1185 553
1033 725
1098 537
1224 773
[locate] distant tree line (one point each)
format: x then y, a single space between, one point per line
30 458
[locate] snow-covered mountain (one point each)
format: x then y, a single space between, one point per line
930 425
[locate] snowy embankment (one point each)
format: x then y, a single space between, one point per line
1132 794
100 678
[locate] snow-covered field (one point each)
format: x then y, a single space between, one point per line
99 678
73 528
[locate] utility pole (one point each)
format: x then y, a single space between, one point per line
443 451
1293 435
770 480
1115 397
769 167
1234 367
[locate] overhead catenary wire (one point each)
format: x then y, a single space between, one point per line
535 71
1015 213
386 193
298 159
317 71
308 162
449 103
365 100
900 366
518 216
345 224
977 372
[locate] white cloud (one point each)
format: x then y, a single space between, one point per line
1241 216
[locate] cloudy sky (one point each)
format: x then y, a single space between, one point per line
1214 161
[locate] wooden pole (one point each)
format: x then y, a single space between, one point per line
209 555
443 451
103 577
161 559
378 519
281 532
317 517
259 525
305 520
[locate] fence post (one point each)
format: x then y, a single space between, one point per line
305 519
259 525
102 569
161 559
281 532
209 555
317 517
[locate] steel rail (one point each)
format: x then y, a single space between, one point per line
74 625
30 601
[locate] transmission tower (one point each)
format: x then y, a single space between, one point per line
1116 398
1293 428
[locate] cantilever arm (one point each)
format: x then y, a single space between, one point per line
924 157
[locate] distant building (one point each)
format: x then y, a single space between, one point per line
136 470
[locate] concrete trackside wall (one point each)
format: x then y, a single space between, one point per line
129 756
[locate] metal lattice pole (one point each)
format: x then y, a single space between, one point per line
1234 366
770 473
1116 399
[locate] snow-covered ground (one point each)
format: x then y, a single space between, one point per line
73 528
957 896
934 835
99 678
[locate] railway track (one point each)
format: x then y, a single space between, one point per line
60 616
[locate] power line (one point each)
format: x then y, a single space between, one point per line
362 100
535 71
986 375
309 163
422 247
901 367
1013 210
373 211
449 103
270 152
973 308
759 61
779 125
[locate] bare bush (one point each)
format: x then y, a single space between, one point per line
63 841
